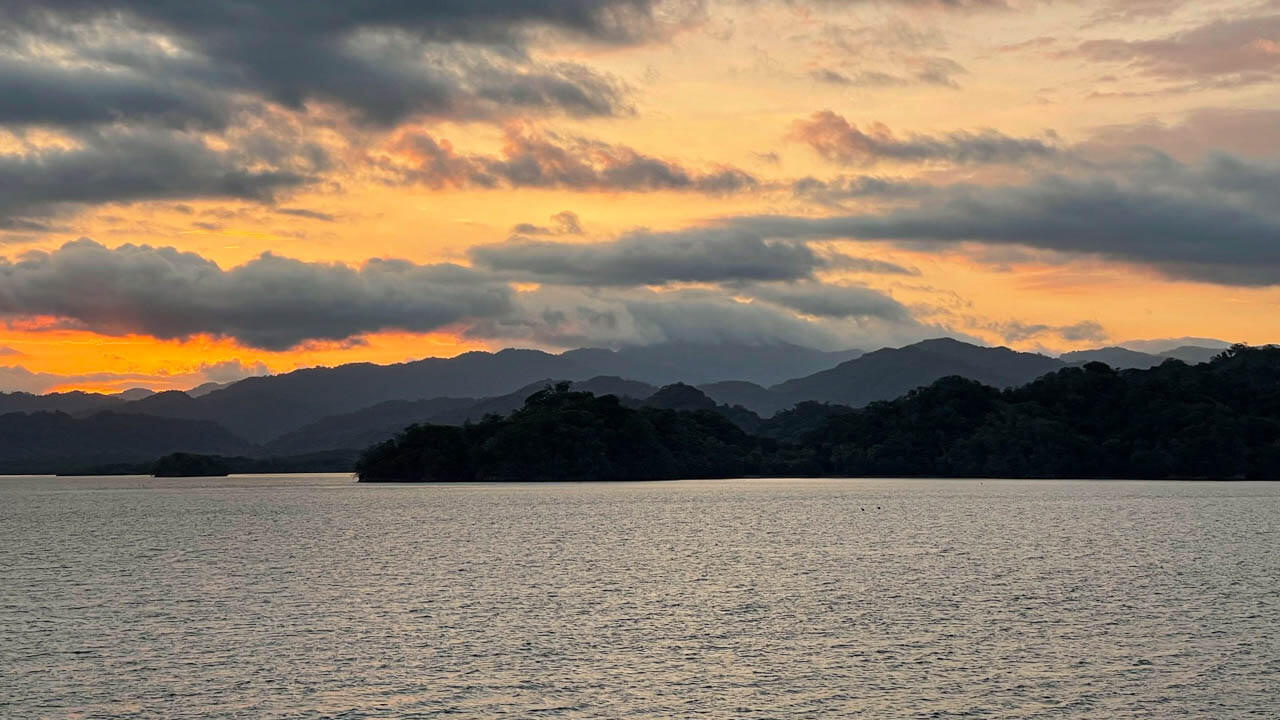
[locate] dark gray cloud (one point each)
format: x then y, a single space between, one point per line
869 266
270 302
126 165
576 317
382 60
307 213
547 160
926 71
837 140
833 301
34 91
647 258
1017 332
562 223
836 191
16 378
1222 53
1216 222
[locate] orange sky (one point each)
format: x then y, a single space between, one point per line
722 91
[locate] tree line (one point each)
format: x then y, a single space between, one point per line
1219 419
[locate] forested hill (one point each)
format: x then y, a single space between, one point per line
564 435
1216 420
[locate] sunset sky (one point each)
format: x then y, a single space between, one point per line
195 192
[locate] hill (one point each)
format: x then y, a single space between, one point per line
1213 420
889 373
1122 358
701 363
1116 357
561 435
71 403
367 426
46 442
260 409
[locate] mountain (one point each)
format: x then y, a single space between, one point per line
1212 420
561 435
680 397
367 426
72 403
1122 358
891 372
135 393
1161 346
1116 357
206 388
46 442
746 394
1192 354
260 409
701 363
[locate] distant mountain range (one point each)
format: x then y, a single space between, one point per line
1122 358
260 409
352 406
45 442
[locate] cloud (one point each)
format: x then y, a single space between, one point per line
648 258
34 91
306 213
1217 221
833 301
126 165
232 370
16 378
1017 332
562 223
548 161
577 317
10 352
926 71
1122 11
836 191
836 140
271 302
1250 132
1225 52
383 61
19 379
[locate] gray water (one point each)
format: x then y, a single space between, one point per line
311 596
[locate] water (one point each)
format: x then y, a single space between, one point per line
310 596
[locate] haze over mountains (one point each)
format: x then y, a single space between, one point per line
352 406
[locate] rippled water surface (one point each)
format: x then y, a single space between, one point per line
311 596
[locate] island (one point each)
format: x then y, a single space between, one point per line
1217 420
189 465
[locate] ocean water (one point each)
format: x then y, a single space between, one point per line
311 596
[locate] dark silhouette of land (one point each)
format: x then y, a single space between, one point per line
1215 420
322 418
188 465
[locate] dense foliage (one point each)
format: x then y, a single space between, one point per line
1219 420
564 435
188 465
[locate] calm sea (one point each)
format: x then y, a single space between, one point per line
311 596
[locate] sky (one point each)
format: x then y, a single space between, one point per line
199 192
